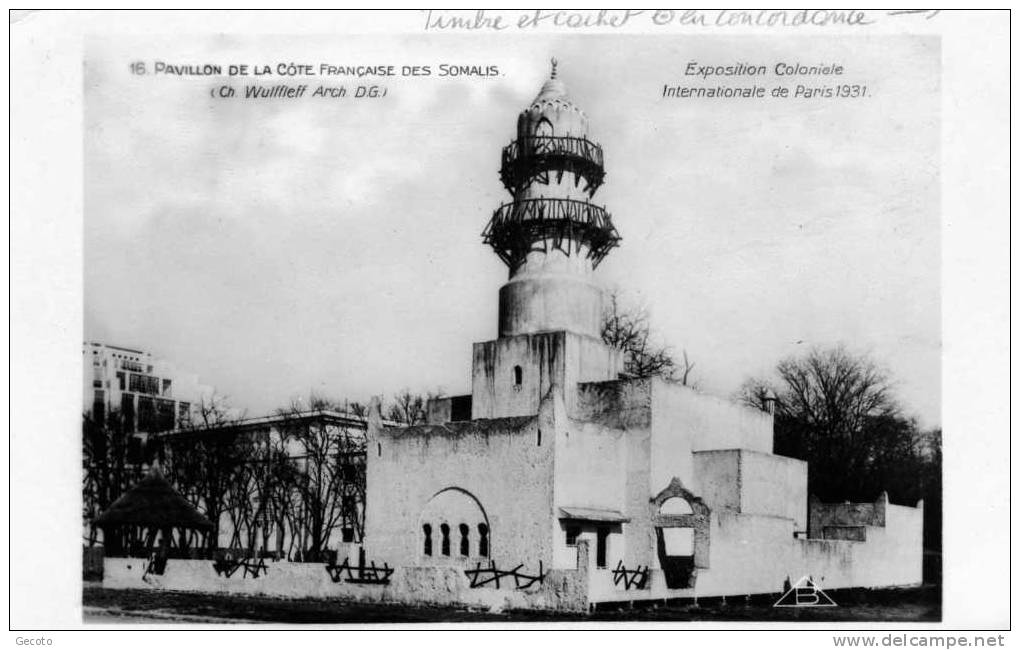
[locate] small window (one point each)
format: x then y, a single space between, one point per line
445 531
518 375
601 543
483 540
347 534
573 532
378 448
427 529
465 543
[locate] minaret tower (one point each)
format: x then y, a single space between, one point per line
551 235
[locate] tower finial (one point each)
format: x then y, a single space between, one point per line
552 75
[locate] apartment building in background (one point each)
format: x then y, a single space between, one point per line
151 394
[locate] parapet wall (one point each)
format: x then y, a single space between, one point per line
753 483
824 516
560 590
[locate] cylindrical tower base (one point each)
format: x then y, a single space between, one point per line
551 302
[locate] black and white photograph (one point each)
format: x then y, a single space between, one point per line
517 319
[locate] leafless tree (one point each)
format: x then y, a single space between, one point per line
629 330
835 391
357 408
756 393
112 462
837 410
407 408
327 483
206 459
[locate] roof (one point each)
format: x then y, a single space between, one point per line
338 418
593 514
153 502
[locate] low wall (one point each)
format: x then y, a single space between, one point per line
755 554
823 515
561 590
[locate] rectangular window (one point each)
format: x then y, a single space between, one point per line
183 412
127 411
120 380
573 532
460 408
164 414
166 387
143 384
134 450
99 406
601 542
349 504
146 414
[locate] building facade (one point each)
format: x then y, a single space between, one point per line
149 393
562 483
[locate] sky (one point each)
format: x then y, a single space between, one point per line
281 247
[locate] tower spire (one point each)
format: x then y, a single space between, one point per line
550 235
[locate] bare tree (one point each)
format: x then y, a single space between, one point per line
357 409
327 483
837 411
629 330
112 462
756 393
205 460
407 408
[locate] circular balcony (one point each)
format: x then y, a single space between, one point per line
526 158
537 224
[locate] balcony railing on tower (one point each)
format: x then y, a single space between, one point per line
525 158
537 224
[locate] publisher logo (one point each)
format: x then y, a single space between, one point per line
804 593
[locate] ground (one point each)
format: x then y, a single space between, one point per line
115 606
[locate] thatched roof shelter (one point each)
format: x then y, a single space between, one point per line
155 503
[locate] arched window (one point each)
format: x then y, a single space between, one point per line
465 545
445 531
544 128
675 506
453 514
427 529
483 540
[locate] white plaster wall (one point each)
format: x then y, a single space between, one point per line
499 462
672 432
590 467
590 472
544 301
752 554
717 478
715 423
565 590
774 485
561 358
541 358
